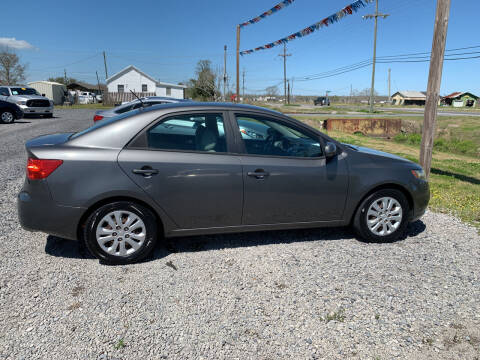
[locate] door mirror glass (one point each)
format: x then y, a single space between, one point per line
330 149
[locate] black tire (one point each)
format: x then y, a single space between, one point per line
360 220
148 218
7 117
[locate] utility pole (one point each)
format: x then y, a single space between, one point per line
65 76
327 102
243 85
434 82
389 83
225 73
105 63
98 83
374 16
284 55
288 91
238 62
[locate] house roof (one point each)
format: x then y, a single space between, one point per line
84 85
411 94
131 67
45 82
458 94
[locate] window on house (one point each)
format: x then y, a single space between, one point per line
120 88
144 88
169 91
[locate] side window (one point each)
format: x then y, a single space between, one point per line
266 136
144 88
168 91
4 92
194 132
120 88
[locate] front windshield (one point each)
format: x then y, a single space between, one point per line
24 91
103 122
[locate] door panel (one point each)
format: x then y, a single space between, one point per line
197 190
295 190
286 177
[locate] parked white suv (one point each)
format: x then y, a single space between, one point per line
28 99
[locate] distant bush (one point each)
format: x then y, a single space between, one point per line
412 138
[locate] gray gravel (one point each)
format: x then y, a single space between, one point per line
285 294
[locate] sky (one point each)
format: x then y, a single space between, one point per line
165 39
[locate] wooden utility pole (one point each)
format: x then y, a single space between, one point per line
224 72
374 16
434 82
238 63
243 85
105 63
65 76
288 91
284 55
98 83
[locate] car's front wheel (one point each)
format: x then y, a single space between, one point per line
382 216
121 232
7 117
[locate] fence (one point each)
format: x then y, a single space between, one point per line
113 98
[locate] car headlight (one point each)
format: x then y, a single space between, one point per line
22 102
419 174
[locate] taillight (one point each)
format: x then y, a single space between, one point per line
41 168
97 117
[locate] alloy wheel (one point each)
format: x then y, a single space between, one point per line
7 117
121 233
384 216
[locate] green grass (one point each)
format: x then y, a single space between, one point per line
454 178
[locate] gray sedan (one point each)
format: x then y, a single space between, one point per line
170 170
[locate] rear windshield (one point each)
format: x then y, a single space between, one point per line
24 91
103 122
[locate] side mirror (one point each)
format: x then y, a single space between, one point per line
43 95
330 150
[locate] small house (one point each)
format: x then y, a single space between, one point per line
52 90
409 98
460 99
132 78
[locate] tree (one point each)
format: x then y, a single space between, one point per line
204 86
271 91
12 72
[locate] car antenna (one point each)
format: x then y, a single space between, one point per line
143 105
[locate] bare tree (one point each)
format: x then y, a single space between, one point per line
271 91
11 70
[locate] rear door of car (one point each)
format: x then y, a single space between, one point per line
196 180
287 178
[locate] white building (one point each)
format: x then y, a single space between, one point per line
136 80
52 90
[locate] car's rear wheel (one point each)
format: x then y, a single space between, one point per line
7 117
121 232
382 216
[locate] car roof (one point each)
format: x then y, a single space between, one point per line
17 86
194 105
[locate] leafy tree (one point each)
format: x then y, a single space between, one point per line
204 86
12 72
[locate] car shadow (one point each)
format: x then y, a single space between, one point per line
22 122
59 247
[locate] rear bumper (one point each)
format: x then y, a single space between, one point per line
38 212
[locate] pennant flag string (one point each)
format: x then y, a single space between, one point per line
277 7
347 10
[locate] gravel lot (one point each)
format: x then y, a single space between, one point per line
286 294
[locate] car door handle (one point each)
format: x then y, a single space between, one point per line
146 171
258 174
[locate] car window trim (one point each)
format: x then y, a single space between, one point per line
140 141
304 129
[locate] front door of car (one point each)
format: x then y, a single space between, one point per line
183 163
287 179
